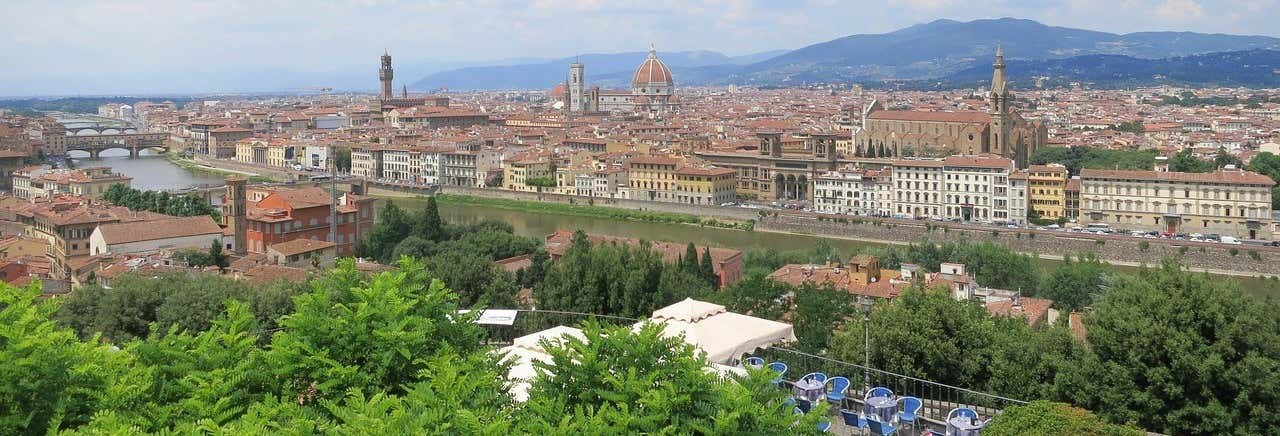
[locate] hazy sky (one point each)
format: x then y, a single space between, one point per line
70 46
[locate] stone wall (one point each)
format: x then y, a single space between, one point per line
731 213
1111 248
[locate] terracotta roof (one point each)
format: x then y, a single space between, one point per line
123 233
1234 177
978 161
652 72
974 117
513 264
300 246
697 171
1036 310
263 274
656 160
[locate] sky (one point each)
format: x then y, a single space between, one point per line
68 47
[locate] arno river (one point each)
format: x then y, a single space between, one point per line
154 172
148 171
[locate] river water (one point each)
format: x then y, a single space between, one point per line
149 171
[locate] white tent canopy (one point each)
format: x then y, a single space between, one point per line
527 349
723 335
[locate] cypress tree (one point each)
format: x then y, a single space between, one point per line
709 270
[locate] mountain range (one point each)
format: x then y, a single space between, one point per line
946 51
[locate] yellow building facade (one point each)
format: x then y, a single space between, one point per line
1047 190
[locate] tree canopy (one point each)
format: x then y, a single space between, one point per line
382 354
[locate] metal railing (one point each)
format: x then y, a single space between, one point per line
937 399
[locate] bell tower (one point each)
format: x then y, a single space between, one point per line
577 99
385 74
998 102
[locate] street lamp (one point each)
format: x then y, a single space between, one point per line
866 344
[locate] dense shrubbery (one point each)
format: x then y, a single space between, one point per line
386 354
159 202
1047 418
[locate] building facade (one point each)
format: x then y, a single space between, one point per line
1047 190
1227 202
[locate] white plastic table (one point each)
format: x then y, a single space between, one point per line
809 389
883 407
965 426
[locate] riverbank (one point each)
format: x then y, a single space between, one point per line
539 224
1249 262
175 157
592 211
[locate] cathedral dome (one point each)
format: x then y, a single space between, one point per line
652 72
560 92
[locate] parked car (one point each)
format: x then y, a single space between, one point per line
1230 240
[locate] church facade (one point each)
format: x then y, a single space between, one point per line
653 91
999 130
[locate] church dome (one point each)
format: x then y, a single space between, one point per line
560 92
652 72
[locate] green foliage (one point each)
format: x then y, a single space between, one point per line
755 295
1253 254
393 226
421 235
1076 158
49 380
1187 162
616 280
387 354
1134 127
1182 353
342 159
430 226
190 301
920 333
819 312
1075 284
159 202
990 263
1144 245
634 396
1048 418
1268 164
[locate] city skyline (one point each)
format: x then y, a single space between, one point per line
136 46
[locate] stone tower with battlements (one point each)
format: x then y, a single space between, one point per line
385 75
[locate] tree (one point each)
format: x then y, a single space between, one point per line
1044 417
689 261
819 312
1224 158
1074 284
708 268
431 227
217 257
393 226
342 159
1187 162
755 295
475 278
1180 352
574 396
50 379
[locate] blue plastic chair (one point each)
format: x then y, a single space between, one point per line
878 392
910 410
780 368
839 385
824 426
820 377
853 419
880 428
754 362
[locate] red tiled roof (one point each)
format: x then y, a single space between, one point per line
974 117
1234 177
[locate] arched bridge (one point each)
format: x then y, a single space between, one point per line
99 130
95 144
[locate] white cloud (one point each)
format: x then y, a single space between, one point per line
1180 10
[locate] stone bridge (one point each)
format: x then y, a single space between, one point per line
96 144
